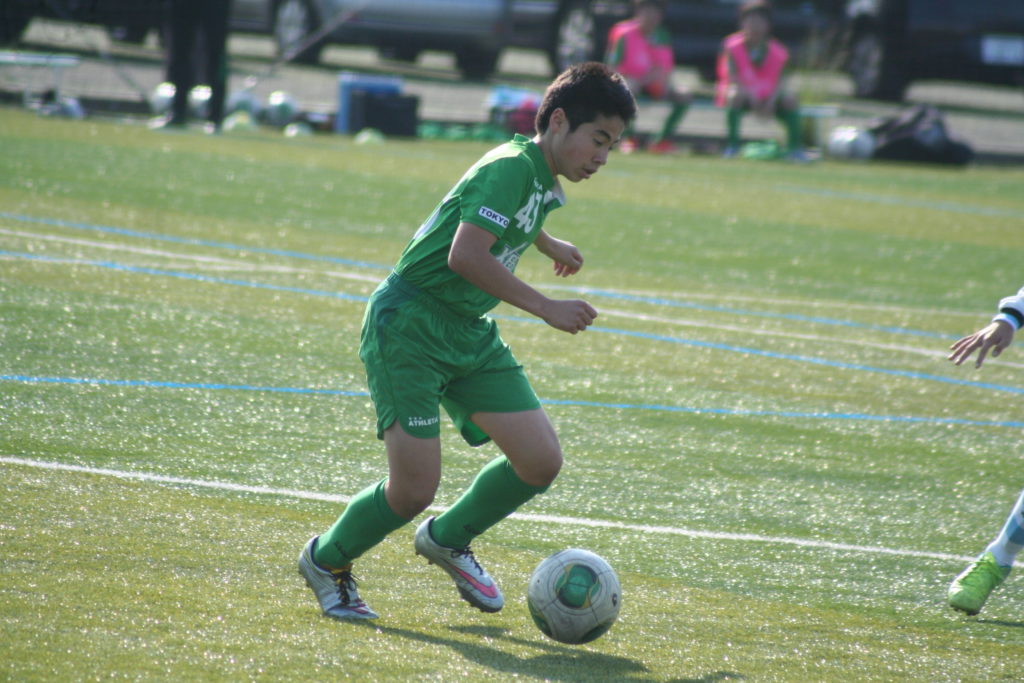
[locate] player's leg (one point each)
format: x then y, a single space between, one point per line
492 400
971 588
679 101
403 387
787 111
531 459
736 104
414 470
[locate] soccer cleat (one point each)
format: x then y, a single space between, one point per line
970 590
475 585
335 590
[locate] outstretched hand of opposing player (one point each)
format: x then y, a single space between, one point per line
994 337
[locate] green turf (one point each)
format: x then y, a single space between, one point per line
767 370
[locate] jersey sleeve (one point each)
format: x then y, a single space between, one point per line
494 194
1011 309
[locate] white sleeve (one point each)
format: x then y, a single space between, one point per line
1011 309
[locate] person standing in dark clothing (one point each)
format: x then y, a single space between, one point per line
197 28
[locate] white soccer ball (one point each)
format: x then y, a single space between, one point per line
574 596
850 142
199 101
243 100
161 97
281 109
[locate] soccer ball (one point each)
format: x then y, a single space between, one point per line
161 98
574 596
281 109
850 142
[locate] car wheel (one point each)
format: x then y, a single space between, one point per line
294 22
575 37
476 63
875 74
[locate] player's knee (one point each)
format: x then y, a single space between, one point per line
547 468
408 502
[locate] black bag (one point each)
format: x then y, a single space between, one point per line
918 134
391 114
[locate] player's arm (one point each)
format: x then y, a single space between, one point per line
995 336
567 258
470 256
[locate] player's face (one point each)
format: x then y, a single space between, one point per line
577 155
756 27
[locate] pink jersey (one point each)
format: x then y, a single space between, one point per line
760 80
634 54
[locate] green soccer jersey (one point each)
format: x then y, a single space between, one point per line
508 192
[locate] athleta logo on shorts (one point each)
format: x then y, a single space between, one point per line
423 421
494 216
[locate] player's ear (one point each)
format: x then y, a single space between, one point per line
558 120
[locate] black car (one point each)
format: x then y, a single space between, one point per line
890 43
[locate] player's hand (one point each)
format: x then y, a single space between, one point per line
993 337
569 315
567 258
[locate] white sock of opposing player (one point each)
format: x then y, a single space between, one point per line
1011 539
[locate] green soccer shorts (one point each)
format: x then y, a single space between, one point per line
419 355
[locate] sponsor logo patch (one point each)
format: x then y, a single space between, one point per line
494 216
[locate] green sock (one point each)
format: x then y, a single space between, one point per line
791 119
366 521
672 120
494 495
732 122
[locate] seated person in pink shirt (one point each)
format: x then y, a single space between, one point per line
751 67
640 50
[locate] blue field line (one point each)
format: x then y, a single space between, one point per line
602 330
671 303
889 200
649 407
187 276
658 301
190 241
810 359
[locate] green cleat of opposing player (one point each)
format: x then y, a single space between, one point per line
971 589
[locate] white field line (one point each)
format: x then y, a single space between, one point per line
211 263
538 519
683 322
806 303
219 264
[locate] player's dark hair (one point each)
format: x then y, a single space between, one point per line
586 91
658 4
762 7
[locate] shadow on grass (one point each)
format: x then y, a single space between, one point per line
555 662
1000 622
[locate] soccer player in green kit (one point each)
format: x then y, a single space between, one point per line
426 342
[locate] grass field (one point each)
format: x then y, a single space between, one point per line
761 432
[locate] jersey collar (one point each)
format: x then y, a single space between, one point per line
552 187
